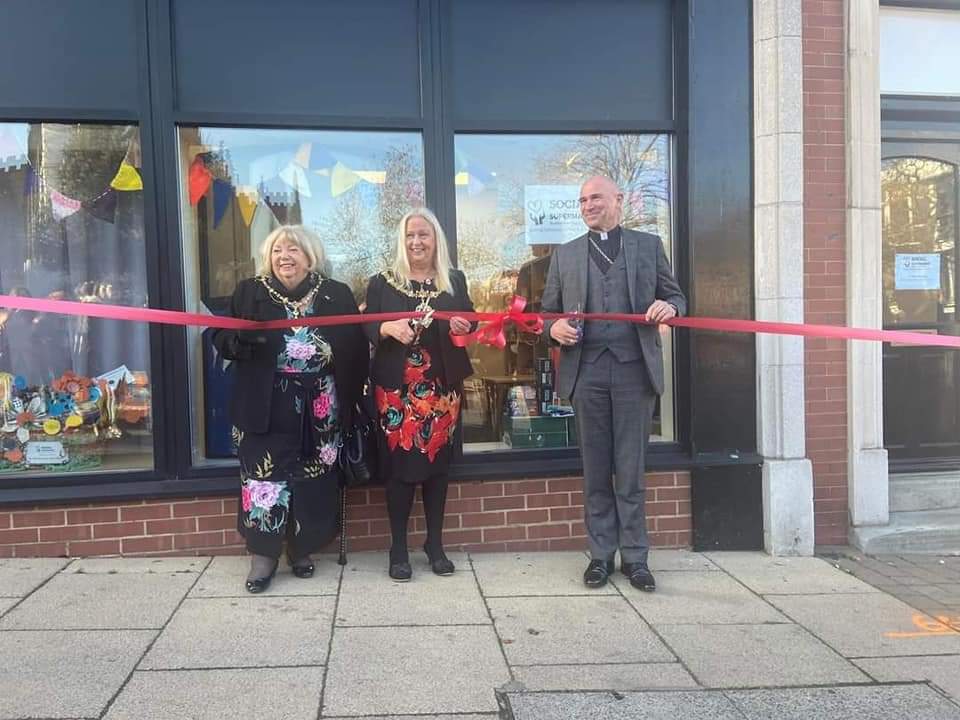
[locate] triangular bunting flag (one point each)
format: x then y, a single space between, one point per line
342 179
222 192
198 180
104 207
62 205
302 157
247 202
127 178
294 176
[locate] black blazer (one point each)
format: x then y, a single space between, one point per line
390 356
256 364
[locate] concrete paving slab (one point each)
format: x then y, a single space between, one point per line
875 625
620 677
225 577
245 632
138 566
7 603
217 694
677 560
481 716
699 597
413 670
369 597
89 602
19 577
629 706
788 575
574 630
917 702
757 656
548 573
65 674
942 670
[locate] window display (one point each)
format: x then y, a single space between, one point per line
75 392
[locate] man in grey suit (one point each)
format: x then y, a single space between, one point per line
612 371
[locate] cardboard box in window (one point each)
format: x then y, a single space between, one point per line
539 431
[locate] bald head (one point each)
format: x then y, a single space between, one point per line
601 203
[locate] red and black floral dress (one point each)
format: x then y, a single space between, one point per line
417 387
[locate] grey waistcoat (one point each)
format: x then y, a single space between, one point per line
609 294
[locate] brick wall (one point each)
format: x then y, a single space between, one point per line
824 219
496 516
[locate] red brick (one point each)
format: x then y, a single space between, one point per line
573 543
382 527
512 502
232 537
527 516
65 532
92 515
94 547
504 533
482 519
4 521
566 513
231 506
366 512
526 546
216 522
674 523
454 537
357 528
666 493
199 507
464 505
524 487
661 480
156 543
661 508
49 549
174 525
565 485
39 518
481 489
111 530
548 531
20 535
146 512
548 500
197 540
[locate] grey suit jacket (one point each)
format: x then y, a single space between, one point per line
649 278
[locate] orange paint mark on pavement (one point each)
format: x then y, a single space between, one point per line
930 627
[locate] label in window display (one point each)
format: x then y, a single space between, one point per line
46 453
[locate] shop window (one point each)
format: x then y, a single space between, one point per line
517 199
919 51
75 393
238 184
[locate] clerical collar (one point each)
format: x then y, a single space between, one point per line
612 235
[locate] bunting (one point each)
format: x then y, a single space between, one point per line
127 178
222 193
198 180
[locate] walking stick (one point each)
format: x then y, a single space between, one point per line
342 560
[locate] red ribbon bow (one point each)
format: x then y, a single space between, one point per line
492 333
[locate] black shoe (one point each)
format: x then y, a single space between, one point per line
258 585
640 576
597 573
401 571
439 562
302 568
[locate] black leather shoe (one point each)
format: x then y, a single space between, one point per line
258 585
302 568
597 573
439 562
401 571
640 576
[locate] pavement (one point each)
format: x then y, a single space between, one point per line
726 635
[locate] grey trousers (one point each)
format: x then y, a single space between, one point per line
614 406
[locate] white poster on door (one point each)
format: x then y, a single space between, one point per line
917 271
552 214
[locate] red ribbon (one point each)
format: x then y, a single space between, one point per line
492 333
528 322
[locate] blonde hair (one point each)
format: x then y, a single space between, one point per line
401 265
303 238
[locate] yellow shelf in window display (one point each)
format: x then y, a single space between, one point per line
51 426
73 421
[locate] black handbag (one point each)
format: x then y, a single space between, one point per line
358 450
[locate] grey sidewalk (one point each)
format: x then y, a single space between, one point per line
727 635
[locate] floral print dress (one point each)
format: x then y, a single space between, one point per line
288 474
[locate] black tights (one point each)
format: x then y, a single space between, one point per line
400 501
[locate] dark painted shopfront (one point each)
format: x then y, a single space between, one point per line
147 148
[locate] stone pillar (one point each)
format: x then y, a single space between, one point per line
867 474
778 241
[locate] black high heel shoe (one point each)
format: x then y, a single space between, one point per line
400 570
439 562
258 585
302 568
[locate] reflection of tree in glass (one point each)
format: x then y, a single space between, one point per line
360 232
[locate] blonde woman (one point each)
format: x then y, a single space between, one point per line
418 376
294 390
